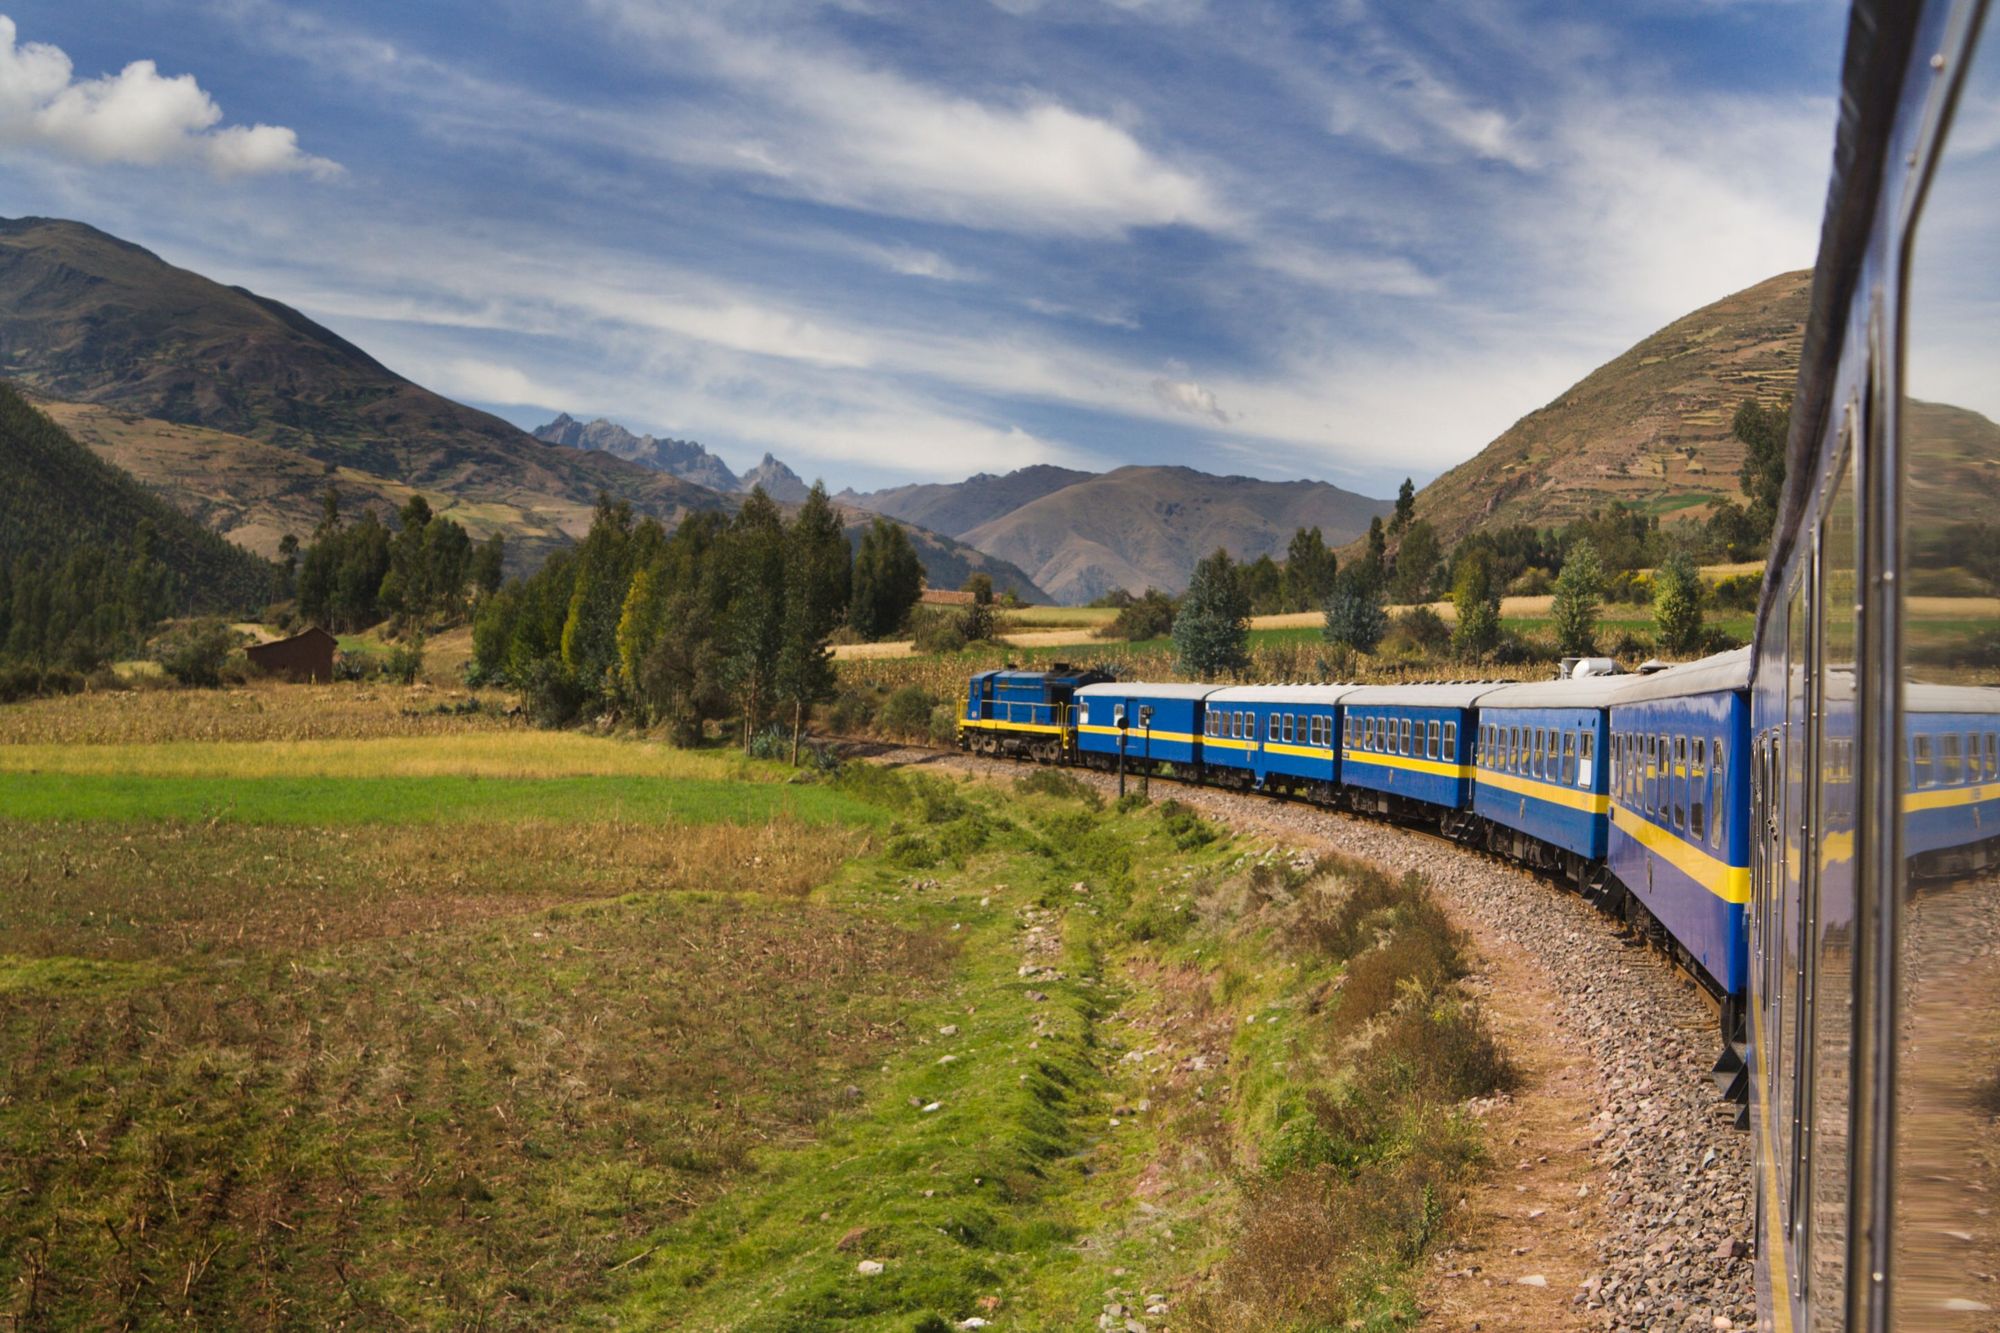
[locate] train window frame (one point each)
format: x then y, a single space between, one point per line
1402 736
1992 756
1569 759
1433 738
1586 757
1951 764
1450 751
1678 783
1920 759
1718 809
1698 800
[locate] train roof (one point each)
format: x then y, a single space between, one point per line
1139 689
1919 698
1582 692
1282 694
1455 694
1716 674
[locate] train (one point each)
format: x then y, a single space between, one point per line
1810 825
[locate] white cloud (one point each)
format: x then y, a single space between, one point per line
136 117
821 125
1190 397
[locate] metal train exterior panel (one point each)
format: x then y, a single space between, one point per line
1541 766
1409 743
1275 737
1023 712
1143 724
1678 839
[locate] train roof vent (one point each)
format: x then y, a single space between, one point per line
1652 665
1579 668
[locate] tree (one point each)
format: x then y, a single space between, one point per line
753 626
1406 506
817 579
1354 615
1309 570
1150 616
1477 602
1574 610
1677 604
1212 631
489 564
888 579
288 560
1378 544
589 644
1416 564
1263 584
1763 432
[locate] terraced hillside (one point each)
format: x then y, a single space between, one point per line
1650 428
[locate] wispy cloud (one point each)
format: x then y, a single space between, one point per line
136 117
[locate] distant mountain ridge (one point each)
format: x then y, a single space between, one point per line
1141 527
88 318
959 507
779 482
680 458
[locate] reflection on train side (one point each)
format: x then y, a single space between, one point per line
1946 1168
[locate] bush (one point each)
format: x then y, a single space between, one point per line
1063 786
24 680
938 631
550 695
405 662
356 665
1739 592
196 653
1147 617
1185 827
907 712
1417 633
853 710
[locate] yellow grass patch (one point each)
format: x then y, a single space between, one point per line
518 754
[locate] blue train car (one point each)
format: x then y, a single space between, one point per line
1542 781
1679 842
1022 712
1407 749
1951 780
1151 725
1279 738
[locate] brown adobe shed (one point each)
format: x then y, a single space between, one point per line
304 658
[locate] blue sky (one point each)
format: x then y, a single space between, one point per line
899 241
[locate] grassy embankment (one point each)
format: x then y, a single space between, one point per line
580 1055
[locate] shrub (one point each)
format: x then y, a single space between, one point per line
550 695
853 710
1739 592
1185 827
1063 786
405 662
938 631
24 680
907 712
1150 616
197 652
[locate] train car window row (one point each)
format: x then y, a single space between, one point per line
1945 759
1680 782
1553 754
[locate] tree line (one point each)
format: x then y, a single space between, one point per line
357 574
726 618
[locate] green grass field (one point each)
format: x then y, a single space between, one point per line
497 1028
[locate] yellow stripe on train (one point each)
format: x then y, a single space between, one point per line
1575 798
1727 882
1433 767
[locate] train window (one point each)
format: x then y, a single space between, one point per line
1698 789
1949 768
1513 749
1992 756
1451 742
1433 734
1721 804
1679 782
1569 758
1922 762
1586 745
1649 797
1535 754
1402 733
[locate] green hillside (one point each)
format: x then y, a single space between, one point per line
60 498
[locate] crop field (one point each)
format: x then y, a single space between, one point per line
322 1007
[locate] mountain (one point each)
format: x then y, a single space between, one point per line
779 482
87 318
948 562
1140 527
59 497
1650 427
680 458
959 507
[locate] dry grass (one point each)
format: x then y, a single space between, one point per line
264 711
168 890
488 754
